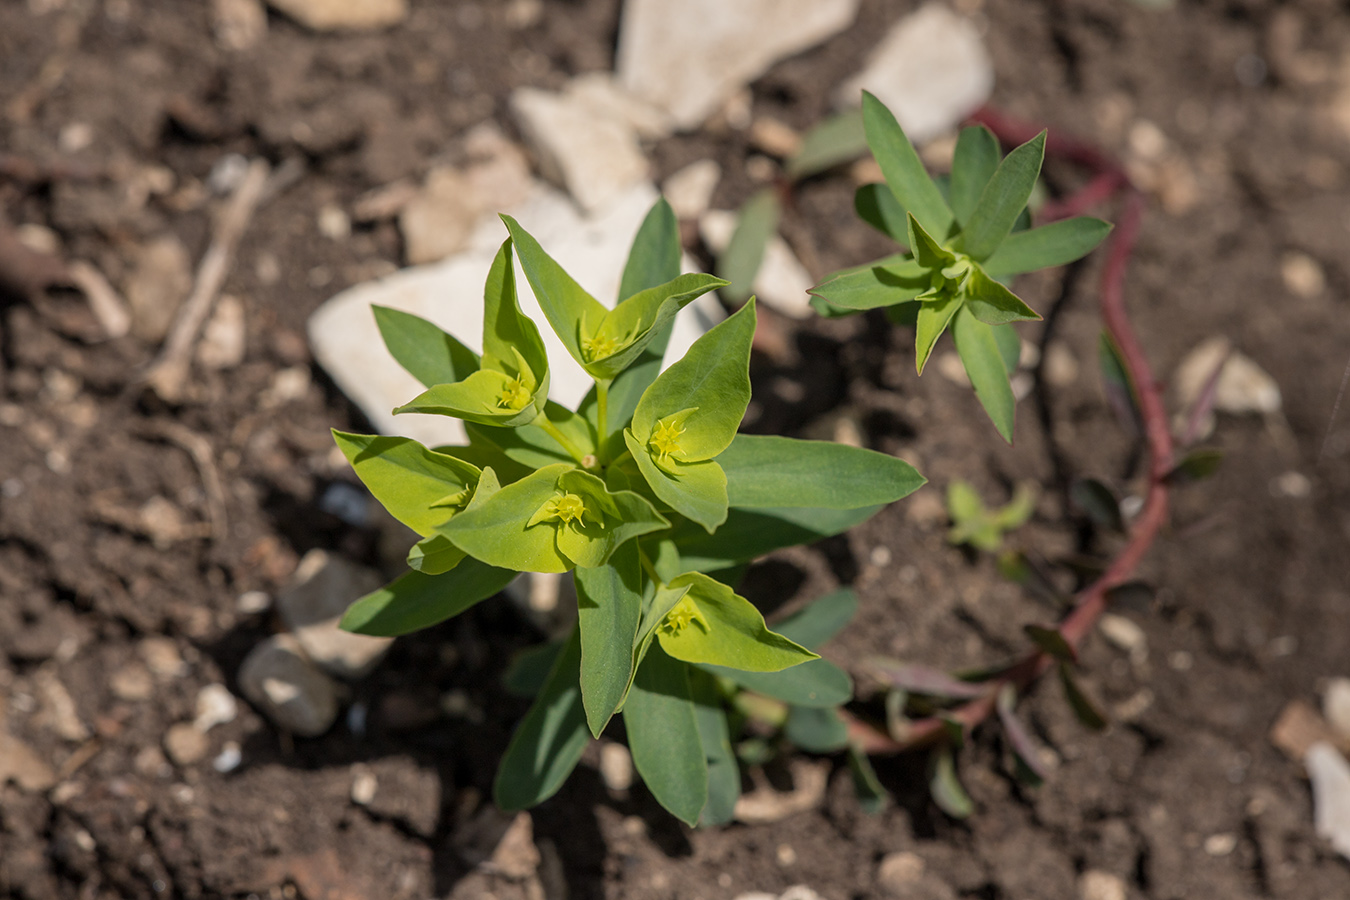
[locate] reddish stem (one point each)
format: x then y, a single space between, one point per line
1092 601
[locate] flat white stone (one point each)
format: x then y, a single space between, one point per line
931 70
689 58
1330 776
347 344
344 15
581 144
781 282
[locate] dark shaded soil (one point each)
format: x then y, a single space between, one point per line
1183 797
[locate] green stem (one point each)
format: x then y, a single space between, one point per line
648 567
552 431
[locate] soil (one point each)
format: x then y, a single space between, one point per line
128 104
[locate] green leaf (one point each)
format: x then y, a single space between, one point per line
1198 464
564 302
1098 501
770 471
502 532
904 171
928 253
933 319
816 729
714 625
531 446
696 490
980 355
1018 510
1003 199
740 261
1083 706
654 258
662 724
837 140
820 620
818 683
634 323
724 774
1051 641
976 159
945 787
549 741
1117 385
609 607
407 478
434 555
877 206
994 304
895 279
1056 244
963 502
1024 747
423 349
507 331
871 795
749 534
1009 347
485 455
417 601
528 669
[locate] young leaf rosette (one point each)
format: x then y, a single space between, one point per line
711 624
690 415
510 387
552 520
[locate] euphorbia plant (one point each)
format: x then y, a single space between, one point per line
646 492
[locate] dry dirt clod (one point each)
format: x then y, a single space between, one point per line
22 765
1298 728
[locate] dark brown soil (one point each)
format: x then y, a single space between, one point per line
1184 797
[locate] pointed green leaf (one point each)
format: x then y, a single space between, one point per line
768 471
816 729
502 532
564 302
877 206
963 502
749 534
1003 199
407 478
423 349
820 620
531 446
695 490
1051 641
1009 347
550 739
662 724
528 670
609 607
994 304
818 683
740 261
654 258
417 601
434 555
635 322
1056 244
712 624
487 397
976 159
1018 510
485 455
724 774
1083 706
611 519
933 319
1117 385
1025 748
945 787
838 139
904 171
979 352
871 795
506 329
895 279
928 253
1098 501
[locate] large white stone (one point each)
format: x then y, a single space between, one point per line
1330 776
931 70
347 344
580 144
689 58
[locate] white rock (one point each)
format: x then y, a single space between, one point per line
278 679
498 172
320 591
688 58
1330 775
1336 706
1094 884
223 339
238 24
215 706
591 151
344 15
1243 386
1124 634
781 282
931 71
602 93
690 190
229 758
160 278
347 343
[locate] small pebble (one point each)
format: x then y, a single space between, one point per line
1124 634
251 603
364 786
132 682
1303 275
1181 661
231 755
1221 844
1291 484
185 744
1095 884
786 855
163 658
616 766
1336 706
215 706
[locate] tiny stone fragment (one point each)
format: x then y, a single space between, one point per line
185 744
215 706
616 766
1336 707
1094 884
344 15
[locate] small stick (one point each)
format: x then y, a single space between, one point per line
107 305
168 374
199 448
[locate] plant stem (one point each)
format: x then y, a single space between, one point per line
648 567
552 431
1092 601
